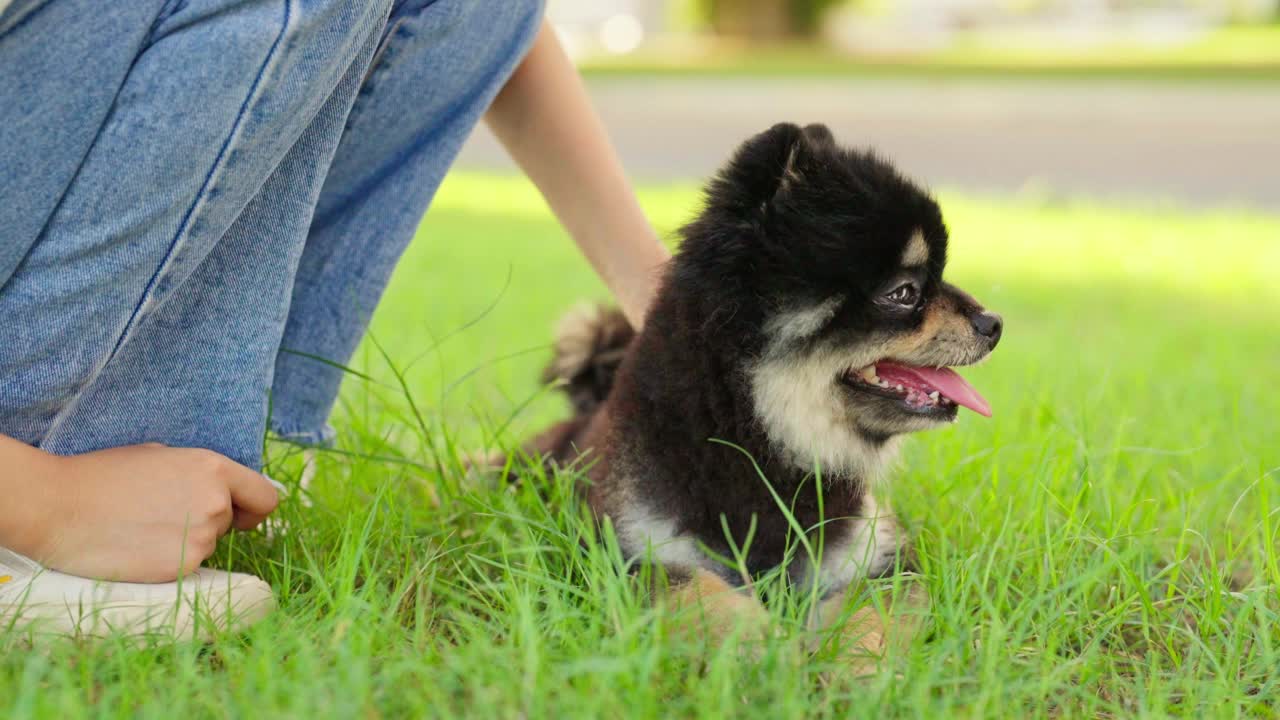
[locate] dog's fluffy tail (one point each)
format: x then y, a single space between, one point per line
590 343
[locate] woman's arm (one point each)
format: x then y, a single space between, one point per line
544 118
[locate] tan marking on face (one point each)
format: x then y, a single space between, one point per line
916 252
942 320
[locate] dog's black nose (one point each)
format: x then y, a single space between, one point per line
988 325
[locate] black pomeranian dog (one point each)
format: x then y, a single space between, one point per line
802 328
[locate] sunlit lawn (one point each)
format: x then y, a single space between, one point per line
1227 54
1106 545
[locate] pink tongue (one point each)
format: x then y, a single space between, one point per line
944 380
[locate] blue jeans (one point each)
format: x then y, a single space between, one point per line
198 198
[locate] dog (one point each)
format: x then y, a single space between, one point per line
802 328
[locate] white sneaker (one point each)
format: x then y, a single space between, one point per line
40 601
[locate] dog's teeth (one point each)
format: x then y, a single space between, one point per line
883 383
898 388
934 396
868 374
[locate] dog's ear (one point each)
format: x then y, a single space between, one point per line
802 157
819 135
768 166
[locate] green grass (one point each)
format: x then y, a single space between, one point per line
1106 546
1230 54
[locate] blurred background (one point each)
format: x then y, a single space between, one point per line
1148 100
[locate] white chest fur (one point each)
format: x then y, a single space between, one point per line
853 548
798 403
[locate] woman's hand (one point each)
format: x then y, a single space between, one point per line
143 513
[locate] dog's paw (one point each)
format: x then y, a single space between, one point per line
863 630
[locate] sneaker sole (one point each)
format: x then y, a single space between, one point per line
196 619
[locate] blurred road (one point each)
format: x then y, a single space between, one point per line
1198 144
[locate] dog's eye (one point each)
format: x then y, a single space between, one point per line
906 294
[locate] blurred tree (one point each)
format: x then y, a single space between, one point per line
766 20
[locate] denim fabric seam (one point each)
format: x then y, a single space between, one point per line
376 63
171 8
384 55
175 244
